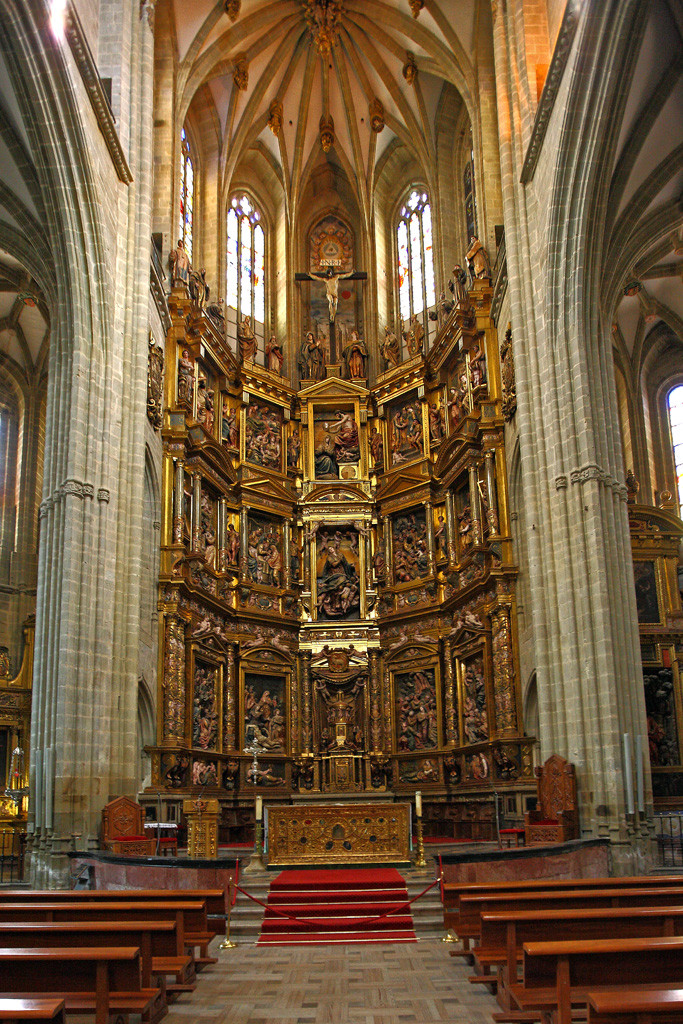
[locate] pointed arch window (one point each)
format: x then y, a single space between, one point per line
186 193
414 239
674 404
245 284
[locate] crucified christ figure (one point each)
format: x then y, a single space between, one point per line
331 282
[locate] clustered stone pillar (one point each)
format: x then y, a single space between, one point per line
375 704
450 701
229 700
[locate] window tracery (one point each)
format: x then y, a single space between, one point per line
186 193
415 245
246 255
674 404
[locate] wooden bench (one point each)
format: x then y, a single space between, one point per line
30 1011
559 975
504 934
473 907
189 917
214 898
644 1006
93 981
161 953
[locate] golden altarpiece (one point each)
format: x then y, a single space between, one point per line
337 586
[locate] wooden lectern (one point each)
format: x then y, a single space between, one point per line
202 827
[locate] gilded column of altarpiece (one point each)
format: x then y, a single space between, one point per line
337 584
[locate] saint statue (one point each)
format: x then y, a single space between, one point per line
311 358
331 282
478 259
274 356
355 355
414 336
391 349
247 341
199 289
338 586
180 265
346 440
185 378
458 286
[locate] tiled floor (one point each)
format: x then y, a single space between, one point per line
375 984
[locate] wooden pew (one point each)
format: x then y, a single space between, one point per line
189 917
645 1006
160 950
31 1011
100 981
214 898
453 891
559 975
504 934
472 907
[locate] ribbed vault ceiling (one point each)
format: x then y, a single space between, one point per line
371 44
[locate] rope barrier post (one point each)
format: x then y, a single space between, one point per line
227 942
420 861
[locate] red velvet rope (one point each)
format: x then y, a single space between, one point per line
360 920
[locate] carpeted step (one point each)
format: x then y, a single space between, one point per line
337 906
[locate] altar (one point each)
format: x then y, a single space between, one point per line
357 833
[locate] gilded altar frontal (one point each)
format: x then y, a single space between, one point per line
341 421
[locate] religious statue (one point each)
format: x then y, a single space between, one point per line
325 459
414 336
293 449
311 358
185 378
445 305
232 545
180 265
391 349
478 259
458 286
216 313
247 341
440 537
331 282
274 356
477 365
198 288
275 117
346 439
229 427
205 414
264 716
355 355
376 448
436 426
338 585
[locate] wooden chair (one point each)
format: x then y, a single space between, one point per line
556 819
123 831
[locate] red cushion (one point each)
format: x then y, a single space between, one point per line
511 831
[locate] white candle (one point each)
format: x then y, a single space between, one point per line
418 804
259 808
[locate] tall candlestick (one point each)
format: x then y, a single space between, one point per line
259 808
418 804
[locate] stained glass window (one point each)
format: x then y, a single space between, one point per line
246 260
675 404
414 239
468 184
186 193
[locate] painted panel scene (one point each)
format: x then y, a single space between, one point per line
205 706
662 735
647 601
405 431
416 710
336 442
264 551
475 716
338 574
263 435
409 537
264 711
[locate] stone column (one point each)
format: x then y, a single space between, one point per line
375 704
230 700
490 471
178 500
450 698
306 710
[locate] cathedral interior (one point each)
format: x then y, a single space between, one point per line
341 410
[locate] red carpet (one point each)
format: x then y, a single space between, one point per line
337 907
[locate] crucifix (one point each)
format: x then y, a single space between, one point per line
331 281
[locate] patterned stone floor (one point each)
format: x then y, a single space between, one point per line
375 984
